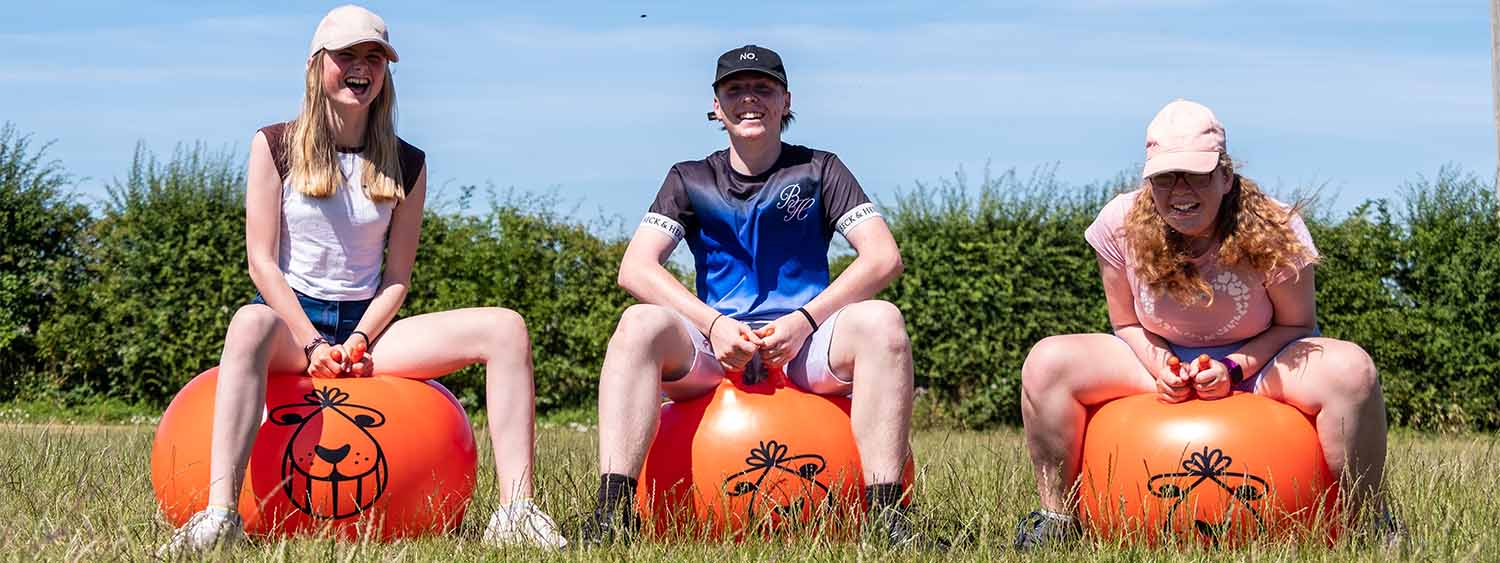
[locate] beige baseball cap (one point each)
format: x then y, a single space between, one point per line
351 25
1185 136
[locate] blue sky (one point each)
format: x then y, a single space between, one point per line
596 102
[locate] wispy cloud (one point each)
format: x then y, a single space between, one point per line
520 99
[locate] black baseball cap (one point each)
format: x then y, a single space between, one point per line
750 58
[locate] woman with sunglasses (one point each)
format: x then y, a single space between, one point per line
1200 261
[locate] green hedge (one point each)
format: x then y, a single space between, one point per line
40 245
524 255
130 302
1420 289
165 269
989 272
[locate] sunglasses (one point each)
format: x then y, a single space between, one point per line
1167 180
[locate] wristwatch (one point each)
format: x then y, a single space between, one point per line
1236 374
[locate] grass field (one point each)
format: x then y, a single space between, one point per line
79 492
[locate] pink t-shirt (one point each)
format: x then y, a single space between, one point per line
1241 308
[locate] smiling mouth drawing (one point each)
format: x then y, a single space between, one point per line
355 477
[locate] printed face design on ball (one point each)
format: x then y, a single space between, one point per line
1209 467
333 467
779 479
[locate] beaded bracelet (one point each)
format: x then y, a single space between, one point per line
308 349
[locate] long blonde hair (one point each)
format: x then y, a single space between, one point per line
1255 232
312 158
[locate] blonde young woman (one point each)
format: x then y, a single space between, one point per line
333 210
1200 261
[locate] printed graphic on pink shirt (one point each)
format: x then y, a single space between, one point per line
1230 307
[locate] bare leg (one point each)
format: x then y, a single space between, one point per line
1062 376
1336 382
257 340
436 344
649 346
870 341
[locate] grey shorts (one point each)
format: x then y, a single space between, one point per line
809 370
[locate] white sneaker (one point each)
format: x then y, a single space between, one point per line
522 523
210 528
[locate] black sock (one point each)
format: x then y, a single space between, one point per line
614 488
883 495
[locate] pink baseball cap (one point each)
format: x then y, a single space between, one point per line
351 25
1185 136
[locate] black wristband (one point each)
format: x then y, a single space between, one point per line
711 325
308 349
362 333
809 318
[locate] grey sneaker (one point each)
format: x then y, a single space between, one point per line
1039 530
893 528
1385 530
210 528
522 523
605 527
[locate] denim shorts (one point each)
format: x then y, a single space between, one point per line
335 320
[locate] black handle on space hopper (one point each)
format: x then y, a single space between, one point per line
755 370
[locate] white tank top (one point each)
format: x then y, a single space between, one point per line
333 247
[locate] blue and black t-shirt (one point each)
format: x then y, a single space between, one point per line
760 243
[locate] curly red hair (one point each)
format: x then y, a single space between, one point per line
1254 230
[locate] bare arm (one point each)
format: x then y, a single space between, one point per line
1150 349
642 274
262 230
876 264
400 254
1294 315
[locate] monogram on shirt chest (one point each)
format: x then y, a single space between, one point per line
794 202
786 201
787 207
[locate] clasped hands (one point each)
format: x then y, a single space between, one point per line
734 342
1205 378
349 359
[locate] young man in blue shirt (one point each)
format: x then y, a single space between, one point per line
758 217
